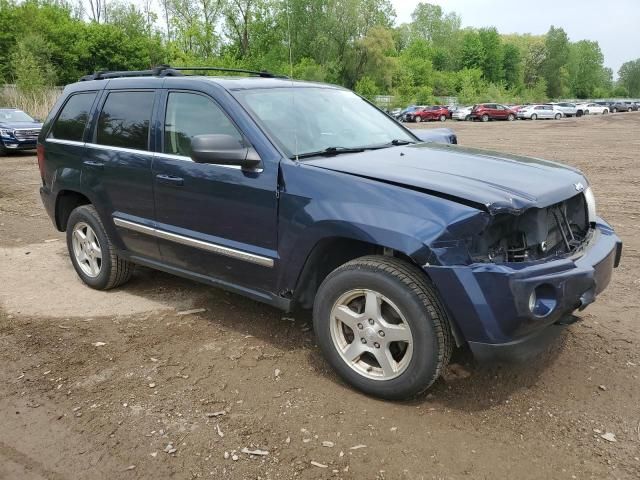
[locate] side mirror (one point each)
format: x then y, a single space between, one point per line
223 150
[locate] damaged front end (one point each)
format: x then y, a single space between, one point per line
515 279
536 234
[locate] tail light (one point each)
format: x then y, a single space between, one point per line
41 159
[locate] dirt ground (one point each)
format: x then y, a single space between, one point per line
145 402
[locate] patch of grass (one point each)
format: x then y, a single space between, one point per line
35 103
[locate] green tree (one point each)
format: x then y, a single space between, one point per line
512 66
629 74
472 52
493 54
367 88
557 57
586 67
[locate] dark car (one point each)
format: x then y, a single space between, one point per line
492 111
633 106
427 114
304 196
18 131
615 107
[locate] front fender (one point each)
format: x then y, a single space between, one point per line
318 204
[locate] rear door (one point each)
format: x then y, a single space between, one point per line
215 220
501 112
117 166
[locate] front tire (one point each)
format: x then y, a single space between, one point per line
511 117
380 325
92 253
418 119
558 116
605 111
3 150
443 118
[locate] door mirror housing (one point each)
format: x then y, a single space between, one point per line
221 149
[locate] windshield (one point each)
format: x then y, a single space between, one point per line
304 120
14 116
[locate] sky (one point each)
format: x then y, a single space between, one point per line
614 24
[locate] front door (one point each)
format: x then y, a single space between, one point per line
213 220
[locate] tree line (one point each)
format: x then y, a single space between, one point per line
355 43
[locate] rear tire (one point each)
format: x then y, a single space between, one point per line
615 110
586 112
418 119
375 294
605 111
485 118
534 117
92 253
467 118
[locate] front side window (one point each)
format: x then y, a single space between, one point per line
304 120
124 120
73 118
191 114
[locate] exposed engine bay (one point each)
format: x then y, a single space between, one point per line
538 233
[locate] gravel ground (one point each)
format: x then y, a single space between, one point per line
123 384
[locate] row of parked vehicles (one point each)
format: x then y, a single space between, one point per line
495 111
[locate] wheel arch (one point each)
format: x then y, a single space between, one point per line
66 202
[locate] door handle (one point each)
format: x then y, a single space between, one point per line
93 164
170 180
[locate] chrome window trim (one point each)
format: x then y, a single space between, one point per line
192 242
97 146
65 142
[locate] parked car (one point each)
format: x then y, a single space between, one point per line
427 114
633 106
305 196
18 131
462 113
539 112
436 135
408 111
492 111
567 109
593 108
615 107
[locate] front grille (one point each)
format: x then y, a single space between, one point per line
27 134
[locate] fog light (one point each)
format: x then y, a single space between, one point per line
542 300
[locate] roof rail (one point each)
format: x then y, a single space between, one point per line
168 71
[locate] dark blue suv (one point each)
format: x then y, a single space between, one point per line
303 195
18 131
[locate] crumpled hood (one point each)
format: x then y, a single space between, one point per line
492 181
21 125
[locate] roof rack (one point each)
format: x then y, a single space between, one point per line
168 71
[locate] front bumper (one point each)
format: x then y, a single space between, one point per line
13 144
490 303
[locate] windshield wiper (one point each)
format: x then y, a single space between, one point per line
330 151
397 143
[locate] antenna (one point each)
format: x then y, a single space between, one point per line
293 97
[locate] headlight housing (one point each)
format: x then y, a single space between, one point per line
591 204
4 132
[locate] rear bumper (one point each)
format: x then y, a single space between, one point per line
490 303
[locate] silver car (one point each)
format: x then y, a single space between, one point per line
462 113
535 112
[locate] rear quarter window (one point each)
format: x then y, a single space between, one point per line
124 120
73 117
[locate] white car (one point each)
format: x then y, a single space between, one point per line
593 109
462 113
535 112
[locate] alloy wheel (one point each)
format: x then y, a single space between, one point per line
86 249
371 334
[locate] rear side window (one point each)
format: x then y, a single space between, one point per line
124 120
191 114
73 118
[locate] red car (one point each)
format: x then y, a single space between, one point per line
431 114
492 111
